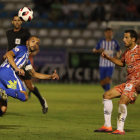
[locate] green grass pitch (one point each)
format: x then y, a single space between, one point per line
75 111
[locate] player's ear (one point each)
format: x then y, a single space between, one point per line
12 22
27 42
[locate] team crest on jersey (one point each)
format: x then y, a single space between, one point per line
17 41
12 85
128 87
16 49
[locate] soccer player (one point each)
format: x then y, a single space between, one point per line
109 46
127 92
12 67
19 36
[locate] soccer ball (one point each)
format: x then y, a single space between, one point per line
25 14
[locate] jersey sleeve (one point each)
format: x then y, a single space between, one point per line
117 46
98 46
28 63
19 50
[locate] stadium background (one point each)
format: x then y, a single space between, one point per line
69 30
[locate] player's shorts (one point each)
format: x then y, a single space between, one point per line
8 79
106 72
27 75
129 90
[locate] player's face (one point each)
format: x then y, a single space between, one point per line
108 34
16 22
127 40
33 44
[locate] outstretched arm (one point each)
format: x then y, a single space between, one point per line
114 60
43 76
98 51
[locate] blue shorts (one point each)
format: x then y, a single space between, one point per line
8 79
106 72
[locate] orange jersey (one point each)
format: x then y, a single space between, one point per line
131 58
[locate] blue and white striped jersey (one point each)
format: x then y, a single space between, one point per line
21 57
110 47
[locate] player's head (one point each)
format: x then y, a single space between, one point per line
108 33
32 43
16 21
130 37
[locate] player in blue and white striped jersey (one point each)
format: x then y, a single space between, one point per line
10 83
109 46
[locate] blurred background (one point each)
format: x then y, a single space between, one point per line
69 30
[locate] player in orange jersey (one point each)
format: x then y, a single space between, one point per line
127 92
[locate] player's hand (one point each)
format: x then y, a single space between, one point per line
138 89
104 55
20 71
55 75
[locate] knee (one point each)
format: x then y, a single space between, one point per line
26 98
122 109
106 95
30 87
4 109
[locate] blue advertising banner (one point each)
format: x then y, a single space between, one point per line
53 57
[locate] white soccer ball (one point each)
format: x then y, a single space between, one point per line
25 14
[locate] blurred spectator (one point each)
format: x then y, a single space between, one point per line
42 6
66 9
99 13
86 11
138 11
116 13
138 41
56 10
131 11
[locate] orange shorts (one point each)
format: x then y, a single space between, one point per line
129 90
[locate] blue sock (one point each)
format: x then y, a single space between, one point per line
107 87
103 87
15 94
1 113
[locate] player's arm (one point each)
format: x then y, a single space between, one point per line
98 51
10 57
112 59
40 75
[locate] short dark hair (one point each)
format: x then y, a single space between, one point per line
108 29
15 15
31 37
133 34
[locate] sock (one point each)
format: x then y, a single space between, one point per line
108 106
1 113
37 94
107 87
122 113
103 86
15 94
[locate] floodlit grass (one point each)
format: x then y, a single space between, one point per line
75 111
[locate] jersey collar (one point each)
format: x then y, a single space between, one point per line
134 47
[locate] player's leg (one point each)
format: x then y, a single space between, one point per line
122 114
129 95
108 107
11 85
107 81
3 107
102 77
36 92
